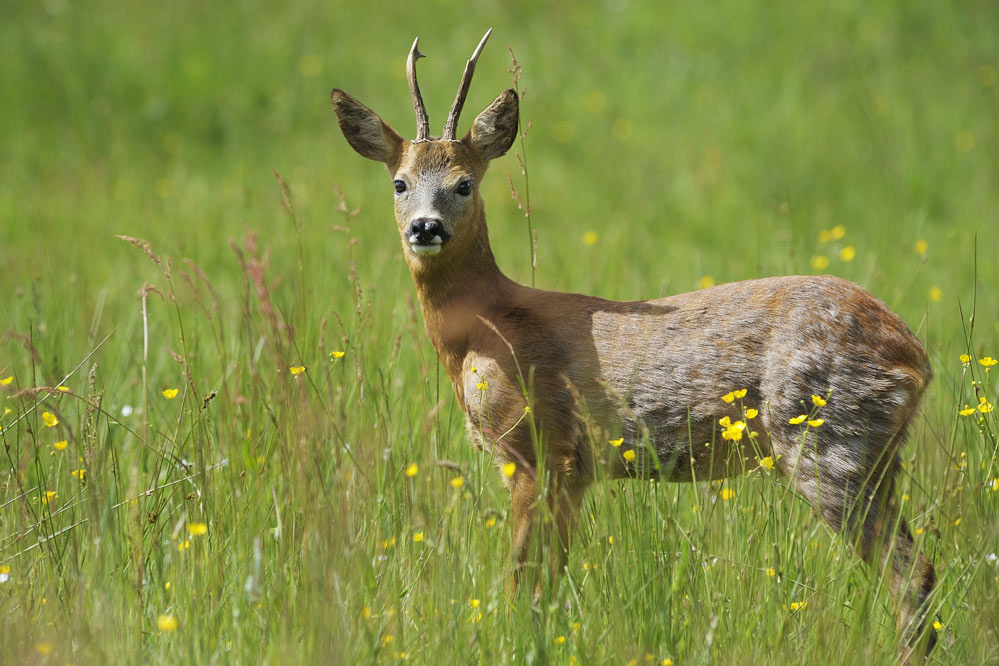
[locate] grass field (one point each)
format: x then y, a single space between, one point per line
261 515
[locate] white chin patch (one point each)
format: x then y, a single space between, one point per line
429 249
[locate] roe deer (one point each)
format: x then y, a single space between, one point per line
651 373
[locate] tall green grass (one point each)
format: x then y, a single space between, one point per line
670 147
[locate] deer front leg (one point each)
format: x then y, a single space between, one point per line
563 501
522 501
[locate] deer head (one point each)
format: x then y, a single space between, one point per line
438 208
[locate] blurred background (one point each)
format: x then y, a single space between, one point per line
695 140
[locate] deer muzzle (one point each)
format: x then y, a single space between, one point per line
427 235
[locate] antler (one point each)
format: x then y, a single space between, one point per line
422 121
451 126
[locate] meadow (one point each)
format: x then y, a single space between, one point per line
227 439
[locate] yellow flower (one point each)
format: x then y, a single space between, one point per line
629 455
705 282
988 361
995 484
767 462
418 537
170 394
734 395
79 473
922 246
48 496
490 521
559 640
984 406
795 605
167 623
815 423
50 419
483 385
838 232
44 647
386 639
819 262
727 494
733 431
917 531
296 369
183 545
457 482
197 529
334 355
771 572
527 409
847 253
366 612
508 469
667 662
591 238
412 470
818 401
797 419
6 381
936 294
967 411
60 445
937 625
474 603
751 413
957 521
965 358
166 586
616 442
62 389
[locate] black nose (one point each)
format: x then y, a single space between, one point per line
423 229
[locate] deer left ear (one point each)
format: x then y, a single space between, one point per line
495 129
368 134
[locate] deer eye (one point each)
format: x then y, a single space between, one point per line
464 188
400 186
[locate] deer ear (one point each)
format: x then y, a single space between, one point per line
368 134
495 129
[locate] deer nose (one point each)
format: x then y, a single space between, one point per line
427 231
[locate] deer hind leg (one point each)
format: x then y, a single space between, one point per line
856 497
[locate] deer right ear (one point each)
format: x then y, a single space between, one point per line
495 129
368 134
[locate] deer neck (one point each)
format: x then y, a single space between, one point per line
454 290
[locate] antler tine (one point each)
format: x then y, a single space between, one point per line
451 126
422 121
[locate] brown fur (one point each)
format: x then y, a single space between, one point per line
653 372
